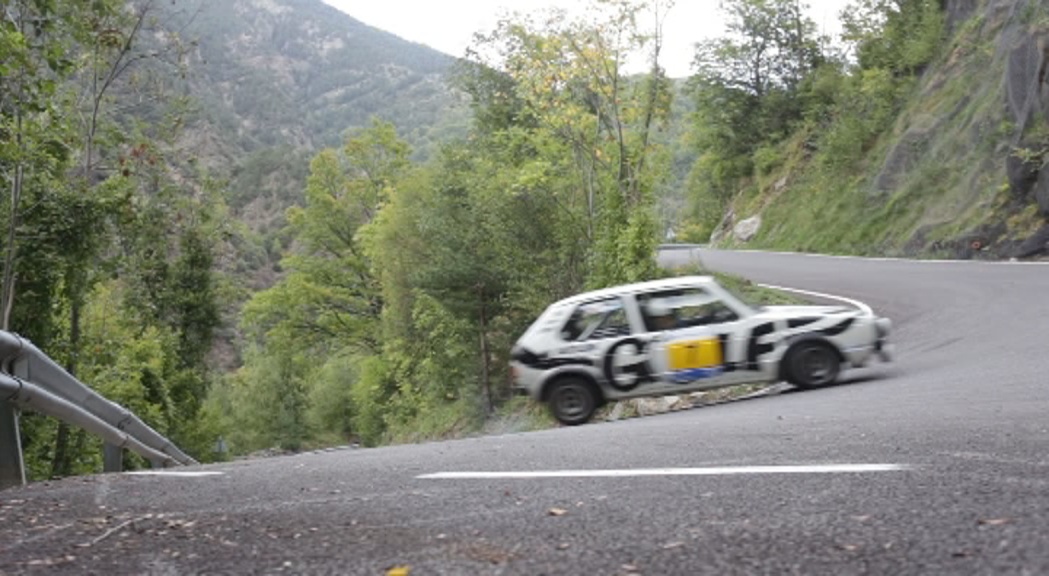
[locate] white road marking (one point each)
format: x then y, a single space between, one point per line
863 307
176 473
697 247
707 471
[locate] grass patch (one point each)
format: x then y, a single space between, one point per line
440 421
519 414
747 291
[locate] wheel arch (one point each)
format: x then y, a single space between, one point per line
784 362
544 393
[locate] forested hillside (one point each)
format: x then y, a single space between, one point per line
925 137
261 224
275 80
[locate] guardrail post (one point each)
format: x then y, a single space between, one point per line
112 458
12 463
12 469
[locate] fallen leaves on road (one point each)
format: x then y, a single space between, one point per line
485 552
557 511
399 571
671 545
118 528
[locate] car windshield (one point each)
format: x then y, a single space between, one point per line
601 319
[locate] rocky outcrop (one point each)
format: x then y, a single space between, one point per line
745 230
722 228
903 157
959 11
1027 99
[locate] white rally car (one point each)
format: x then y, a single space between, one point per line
682 335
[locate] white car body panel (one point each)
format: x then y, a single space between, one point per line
644 362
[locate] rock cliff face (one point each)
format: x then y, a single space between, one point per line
1026 48
1001 51
964 170
1023 42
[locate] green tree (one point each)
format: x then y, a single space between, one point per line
98 197
330 302
901 36
569 83
751 90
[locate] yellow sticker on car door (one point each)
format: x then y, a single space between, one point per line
694 359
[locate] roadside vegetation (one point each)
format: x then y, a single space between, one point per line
109 230
894 141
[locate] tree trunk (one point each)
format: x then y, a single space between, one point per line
61 465
486 384
7 297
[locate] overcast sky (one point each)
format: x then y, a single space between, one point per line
448 26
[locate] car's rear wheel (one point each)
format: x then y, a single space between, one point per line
572 400
812 365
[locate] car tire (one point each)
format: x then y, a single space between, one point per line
572 401
812 365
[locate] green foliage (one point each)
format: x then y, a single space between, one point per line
324 315
331 407
804 152
694 233
866 106
405 287
369 396
901 36
330 292
108 251
752 88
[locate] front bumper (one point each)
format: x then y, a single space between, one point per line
886 350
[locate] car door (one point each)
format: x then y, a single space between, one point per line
692 333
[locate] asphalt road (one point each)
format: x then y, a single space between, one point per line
964 411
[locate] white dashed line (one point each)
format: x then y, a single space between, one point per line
708 471
175 473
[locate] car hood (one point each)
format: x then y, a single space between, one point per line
773 312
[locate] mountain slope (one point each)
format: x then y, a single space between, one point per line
962 171
276 80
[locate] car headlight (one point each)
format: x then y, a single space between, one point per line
884 326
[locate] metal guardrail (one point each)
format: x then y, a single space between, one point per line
30 379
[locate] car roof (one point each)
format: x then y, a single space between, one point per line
664 283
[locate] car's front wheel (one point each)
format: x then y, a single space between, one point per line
812 365
572 400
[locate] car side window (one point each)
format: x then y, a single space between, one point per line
715 312
683 308
597 320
